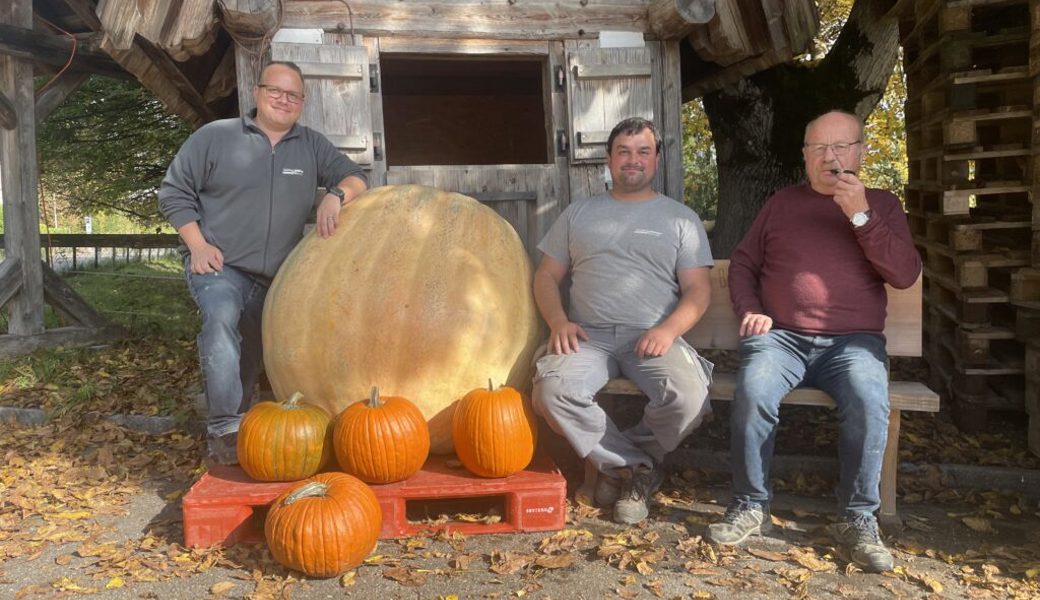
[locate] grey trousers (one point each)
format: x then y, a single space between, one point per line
676 384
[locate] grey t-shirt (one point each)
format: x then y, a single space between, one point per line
624 256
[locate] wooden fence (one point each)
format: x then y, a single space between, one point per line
66 246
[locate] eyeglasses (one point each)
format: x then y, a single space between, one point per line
839 148
275 92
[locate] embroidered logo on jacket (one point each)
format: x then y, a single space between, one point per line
298 172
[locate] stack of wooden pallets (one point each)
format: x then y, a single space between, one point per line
970 146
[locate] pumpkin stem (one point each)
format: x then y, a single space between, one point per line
491 386
373 397
313 489
294 400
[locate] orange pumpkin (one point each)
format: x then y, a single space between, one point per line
284 441
494 432
324 525
383 440
425 291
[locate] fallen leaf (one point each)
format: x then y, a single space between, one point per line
978 524
222 588
767 554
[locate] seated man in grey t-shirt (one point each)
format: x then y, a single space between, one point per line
638 263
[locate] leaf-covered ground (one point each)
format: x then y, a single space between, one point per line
90 508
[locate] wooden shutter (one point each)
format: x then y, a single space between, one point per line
604 87
336 82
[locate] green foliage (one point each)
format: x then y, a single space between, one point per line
885 164
105 150
700 173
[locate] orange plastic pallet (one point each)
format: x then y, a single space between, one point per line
226 506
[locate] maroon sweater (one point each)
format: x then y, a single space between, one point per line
804 265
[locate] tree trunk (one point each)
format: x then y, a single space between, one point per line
758 123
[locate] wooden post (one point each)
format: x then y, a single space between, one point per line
18 160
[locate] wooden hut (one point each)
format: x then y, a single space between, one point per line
508 101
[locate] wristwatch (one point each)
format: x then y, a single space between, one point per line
860 219
335 191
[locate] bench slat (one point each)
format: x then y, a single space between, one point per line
903 395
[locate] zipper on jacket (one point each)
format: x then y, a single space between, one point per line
270 211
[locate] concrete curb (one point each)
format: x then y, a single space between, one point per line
962 477
145 424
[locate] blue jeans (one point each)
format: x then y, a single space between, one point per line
230 350
852 369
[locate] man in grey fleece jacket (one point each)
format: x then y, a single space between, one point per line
239 192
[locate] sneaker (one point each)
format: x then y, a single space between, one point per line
638 484
860 539
742 519
223 449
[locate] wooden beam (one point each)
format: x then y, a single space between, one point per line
10 279
52 97
86 12
23 42
8 117
20 180
675 19
67 302
16 345
185 88
522 20
222 83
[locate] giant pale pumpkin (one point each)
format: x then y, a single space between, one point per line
425 292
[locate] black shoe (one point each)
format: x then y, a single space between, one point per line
223 449
638 484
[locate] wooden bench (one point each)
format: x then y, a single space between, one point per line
718 330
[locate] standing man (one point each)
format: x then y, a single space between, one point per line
638 263
239 192
808 282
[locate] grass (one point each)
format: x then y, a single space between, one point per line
148 298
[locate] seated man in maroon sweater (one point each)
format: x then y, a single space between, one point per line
807 282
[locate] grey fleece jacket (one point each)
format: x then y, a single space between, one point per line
250 201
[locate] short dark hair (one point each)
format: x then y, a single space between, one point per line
632 126
284 63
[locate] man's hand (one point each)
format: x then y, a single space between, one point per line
563 339
328 216
206 258
655 342
850 195
755 324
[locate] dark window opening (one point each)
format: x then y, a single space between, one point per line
450 111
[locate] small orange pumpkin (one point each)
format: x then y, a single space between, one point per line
383 440
494 432
284 441
324 525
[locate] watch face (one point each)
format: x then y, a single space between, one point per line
859 219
